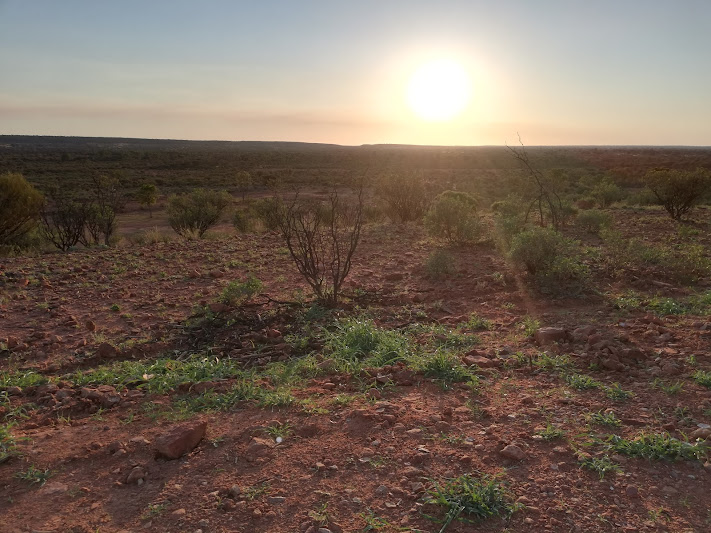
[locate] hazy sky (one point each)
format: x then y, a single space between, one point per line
557 71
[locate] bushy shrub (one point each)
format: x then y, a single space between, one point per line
64 221
678 191
548 256
192 214
405 196
439 264
453 216
20 206
606 193
593 220
147 195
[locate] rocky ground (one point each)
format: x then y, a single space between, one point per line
133 399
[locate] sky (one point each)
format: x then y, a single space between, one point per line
557 72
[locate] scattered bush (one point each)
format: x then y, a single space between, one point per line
440 264
404 195
20 206
192 214
453 217
678 191
593 220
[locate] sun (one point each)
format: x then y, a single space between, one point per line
439 90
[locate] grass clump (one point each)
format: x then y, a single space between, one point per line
21 379
159 376
468 498
357 342
544 361
551 432
656 446
34 475
604 418
617 393
446 367
8 444
703 378
601 465
582 382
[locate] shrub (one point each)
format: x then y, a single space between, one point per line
20 206
404 195
238 292
268 211
678 191
453 217
439 264
109 201
243 220
549 256
64 221
195 212
509 219
606 193
593 220
147 195
321 239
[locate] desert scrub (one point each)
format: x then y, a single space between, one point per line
238 292
404 195
440 264
549 257
593 220
453 217
678 191
468 498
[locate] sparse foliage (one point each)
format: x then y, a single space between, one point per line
322 238
64 220
243 182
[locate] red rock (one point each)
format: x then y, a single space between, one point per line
217 307
105 350
513 452
546 336
258 447
180 440
479 361
90 325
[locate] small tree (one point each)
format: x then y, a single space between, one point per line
544 200
322 238
405 196
678 191
243 182
64 220
109 201
147 196
453 216
20 206
194 213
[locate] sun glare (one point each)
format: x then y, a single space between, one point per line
439 91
